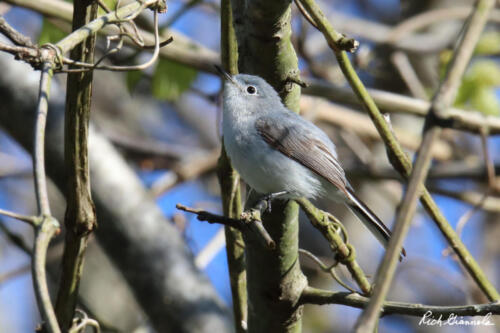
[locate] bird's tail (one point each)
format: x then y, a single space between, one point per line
370 220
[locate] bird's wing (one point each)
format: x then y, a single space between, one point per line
308 146
302 145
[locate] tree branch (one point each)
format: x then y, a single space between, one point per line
316 296
43 234
32 220
274 279
12 34
80 219
250 219
229 181
346 254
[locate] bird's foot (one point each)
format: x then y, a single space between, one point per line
264 204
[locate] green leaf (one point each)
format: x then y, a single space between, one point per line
477 88
489 44
50 33
171 79
133 78
486 101
484 73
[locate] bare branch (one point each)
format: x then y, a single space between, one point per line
80 218
250 219
465 120
408 74
42 196
15 36
32 220
316 296
327 269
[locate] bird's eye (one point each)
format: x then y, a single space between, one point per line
251 90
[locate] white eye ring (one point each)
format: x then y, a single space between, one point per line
251 90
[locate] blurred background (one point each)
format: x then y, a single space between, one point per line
165 123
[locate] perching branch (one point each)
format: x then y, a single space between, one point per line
316 296
250 219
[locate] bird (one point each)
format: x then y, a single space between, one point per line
280 154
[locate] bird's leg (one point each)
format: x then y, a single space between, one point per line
264 204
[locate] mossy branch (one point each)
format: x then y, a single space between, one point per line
345 252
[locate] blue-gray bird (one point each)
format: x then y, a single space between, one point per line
276 151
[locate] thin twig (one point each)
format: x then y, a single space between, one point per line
465 120
203 215
83 321
154 57
327 269
316 296
250 219
77 36
5 277
408 74
15 36
32 220
490 171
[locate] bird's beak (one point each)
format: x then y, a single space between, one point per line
225 75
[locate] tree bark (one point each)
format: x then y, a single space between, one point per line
274 278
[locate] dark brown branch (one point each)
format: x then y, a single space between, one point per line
250 219
203 215
80 219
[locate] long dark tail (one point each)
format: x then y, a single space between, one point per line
370 220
